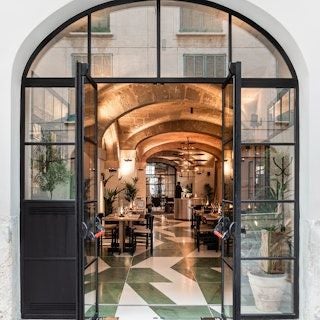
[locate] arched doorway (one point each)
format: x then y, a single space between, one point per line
206 38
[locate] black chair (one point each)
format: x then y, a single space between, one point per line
130 242
203 231
145 232
111 232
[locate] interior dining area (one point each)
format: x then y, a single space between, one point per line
160 199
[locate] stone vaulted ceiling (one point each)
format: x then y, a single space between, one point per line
156 118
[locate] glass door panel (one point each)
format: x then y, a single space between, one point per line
231 91
269 270
87 204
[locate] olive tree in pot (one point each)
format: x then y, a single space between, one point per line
271 281
50 163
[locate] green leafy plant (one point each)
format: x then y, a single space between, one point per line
110 195
208 192
131 190
50 165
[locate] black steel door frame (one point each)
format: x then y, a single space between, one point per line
234 79
82 77
246 83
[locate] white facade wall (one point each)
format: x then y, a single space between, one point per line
294 24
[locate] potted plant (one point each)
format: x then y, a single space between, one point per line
110 195
130 191
208 192
50 165
270 281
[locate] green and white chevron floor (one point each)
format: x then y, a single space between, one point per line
176 283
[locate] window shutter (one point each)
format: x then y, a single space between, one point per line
220 66
199 66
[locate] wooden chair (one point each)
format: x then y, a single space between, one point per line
145 232
131 242
111 233
202 231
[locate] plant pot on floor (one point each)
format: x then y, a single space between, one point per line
268 290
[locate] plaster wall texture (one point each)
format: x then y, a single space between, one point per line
292 24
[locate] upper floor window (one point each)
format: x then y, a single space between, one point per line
192 20
204 65
100 21
101 64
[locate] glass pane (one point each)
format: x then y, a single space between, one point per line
50 115
49 172
194 40
259 57
267 115
58 58
90 248
228 112
269 230
124 41
227 290
228 171
263 292
90 287
267 173
90 171
90 111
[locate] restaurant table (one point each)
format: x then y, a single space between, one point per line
122 224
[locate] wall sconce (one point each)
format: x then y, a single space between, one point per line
254 123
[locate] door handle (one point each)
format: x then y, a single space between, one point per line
84 230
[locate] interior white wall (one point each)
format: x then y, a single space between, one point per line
26 23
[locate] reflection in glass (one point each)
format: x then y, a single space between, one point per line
90 112
267 172
90 242
267 115
228 171
122 46
228 113
90 171
268 230
50 112
90 287
227 290
265 292
259 57
194 40
49 172
58 58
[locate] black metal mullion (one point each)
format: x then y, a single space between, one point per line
230 37
49 143
237 189
79 189
89 44
291 258
259 316
246 82
223 201
296 206
267 200
158 30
